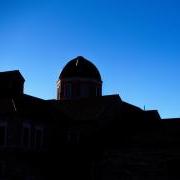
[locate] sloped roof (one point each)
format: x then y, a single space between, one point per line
130 108
6 105
25 105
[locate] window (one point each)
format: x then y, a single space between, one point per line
3 133
98 91
84 90
73 136
68 90
39 134
26 135
58 93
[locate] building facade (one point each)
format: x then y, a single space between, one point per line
82 134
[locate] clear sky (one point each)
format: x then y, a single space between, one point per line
134 43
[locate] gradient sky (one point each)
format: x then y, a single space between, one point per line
134 43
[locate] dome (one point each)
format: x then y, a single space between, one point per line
81 68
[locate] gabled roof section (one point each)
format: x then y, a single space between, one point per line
87 108
25 105
7 106
153 115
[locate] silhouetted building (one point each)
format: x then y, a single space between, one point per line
82 134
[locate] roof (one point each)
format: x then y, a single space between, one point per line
153 115
171 120
80 67
129 107
24 105
88 108
7 75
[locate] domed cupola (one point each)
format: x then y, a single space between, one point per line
79 78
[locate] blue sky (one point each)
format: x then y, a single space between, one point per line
134 43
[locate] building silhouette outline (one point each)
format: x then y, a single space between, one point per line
82 134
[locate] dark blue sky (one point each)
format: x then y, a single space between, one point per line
134 43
